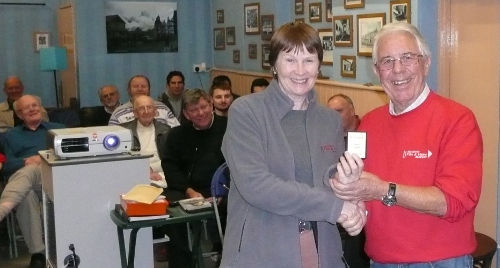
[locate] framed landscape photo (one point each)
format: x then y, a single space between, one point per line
219 38
328 10
299 7
252 18
354 4
400 10
348 66
326 36
315 12
266 49
230 36
267 24
236 56
368 27
220 16
41 40
343 32
252 51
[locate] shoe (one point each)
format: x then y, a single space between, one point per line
217 248
160 252
37 261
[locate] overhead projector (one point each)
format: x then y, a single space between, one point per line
90 141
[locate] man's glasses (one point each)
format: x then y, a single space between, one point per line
143 109
28 108
406 60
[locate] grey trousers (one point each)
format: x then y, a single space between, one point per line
25 190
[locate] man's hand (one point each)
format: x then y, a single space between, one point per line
353 217
368 187
33 160
192 193
349 168
155 176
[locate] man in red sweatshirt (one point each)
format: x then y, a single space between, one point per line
423 170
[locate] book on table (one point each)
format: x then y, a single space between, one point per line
196 204
123 214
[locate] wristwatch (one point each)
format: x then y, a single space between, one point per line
390 198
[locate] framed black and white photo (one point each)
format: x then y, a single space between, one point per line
267 23
354 4
219 38
348 66
328 10
299 7
315 12
252 18
41 40
368 27
252 51
230 36
343 32
236 56
266 49
141 27
220 16
400 10
326 36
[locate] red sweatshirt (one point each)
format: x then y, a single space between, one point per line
438 143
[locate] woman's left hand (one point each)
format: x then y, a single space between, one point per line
353 217
349 168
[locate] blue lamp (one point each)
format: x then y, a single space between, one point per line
53 59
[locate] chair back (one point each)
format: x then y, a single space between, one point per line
220 181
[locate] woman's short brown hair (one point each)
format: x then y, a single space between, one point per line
294 36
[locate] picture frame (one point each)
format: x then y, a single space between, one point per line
328 10
326 36
266 49
252 18
230 35
220 16
300 20
41 40
348 66
368 26
236 56
252 51
219 38
299 7
400 10
343 31
348 4
267 27
315 12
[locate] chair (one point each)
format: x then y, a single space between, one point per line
220 188
485 250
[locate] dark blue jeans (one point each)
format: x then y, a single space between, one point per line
462 262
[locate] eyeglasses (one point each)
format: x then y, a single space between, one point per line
143 109
28 108
406 60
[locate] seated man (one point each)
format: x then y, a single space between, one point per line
345 107
139 85
222 98
224 81
24 188
13 88
172 97
99 115
258 85
193 154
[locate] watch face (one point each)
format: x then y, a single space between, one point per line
389 200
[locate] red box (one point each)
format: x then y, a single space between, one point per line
132 208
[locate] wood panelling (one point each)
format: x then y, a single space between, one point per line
365 98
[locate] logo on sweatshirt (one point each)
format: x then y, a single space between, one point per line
328 147
417 154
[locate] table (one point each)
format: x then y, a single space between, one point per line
177 216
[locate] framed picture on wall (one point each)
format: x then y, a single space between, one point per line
354 4
299 7
220 16
266 49
400 10
236 56
348 66
299 20
219 38
315 12
267 24
41 40
368 26
343 32
326 36
230 36
252 51
252 18
328 10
